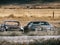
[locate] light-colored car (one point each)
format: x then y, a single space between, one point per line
39 25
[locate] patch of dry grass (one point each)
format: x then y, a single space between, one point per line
11 33
24 20
51 41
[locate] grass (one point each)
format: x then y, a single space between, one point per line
11 33
51 41
47 42
30 33
24 20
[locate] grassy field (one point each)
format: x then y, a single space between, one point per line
24 21
29 12
51 41
26 15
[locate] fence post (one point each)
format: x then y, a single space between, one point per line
53 15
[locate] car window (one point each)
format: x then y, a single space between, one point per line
44 23
11 23
36 22
29 23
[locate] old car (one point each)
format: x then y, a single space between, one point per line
39 25
1 28
12 25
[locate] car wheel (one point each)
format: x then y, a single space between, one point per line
6 29
26 29
3 29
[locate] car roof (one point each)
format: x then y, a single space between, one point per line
11 21
37 21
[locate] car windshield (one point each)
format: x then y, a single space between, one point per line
38 23
34 24
11 23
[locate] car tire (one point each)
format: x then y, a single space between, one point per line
3 29
6 30
26 29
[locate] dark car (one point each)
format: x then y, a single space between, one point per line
38 25
11 25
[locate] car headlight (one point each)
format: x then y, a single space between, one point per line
52 28
21 28
6 27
